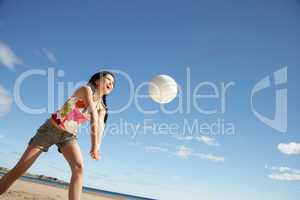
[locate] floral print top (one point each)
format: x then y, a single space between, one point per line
72 114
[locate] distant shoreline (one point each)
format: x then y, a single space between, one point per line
57 183
25 189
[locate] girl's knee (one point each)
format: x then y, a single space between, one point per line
78 168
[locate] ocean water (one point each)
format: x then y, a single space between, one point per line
114 194
86 189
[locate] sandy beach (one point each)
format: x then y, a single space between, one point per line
26 190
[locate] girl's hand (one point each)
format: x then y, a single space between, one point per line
95 154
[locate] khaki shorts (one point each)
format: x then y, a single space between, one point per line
48 134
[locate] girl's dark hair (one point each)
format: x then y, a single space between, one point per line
93 80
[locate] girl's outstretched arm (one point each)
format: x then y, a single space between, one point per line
101 125
88 93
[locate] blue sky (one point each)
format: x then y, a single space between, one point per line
238 42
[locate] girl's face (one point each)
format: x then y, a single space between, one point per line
106 83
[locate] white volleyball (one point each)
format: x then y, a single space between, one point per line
163 89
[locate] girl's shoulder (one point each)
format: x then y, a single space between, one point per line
81 93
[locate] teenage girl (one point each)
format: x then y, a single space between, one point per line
88 103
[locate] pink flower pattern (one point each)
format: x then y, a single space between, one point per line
71 115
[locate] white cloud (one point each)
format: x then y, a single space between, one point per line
284 173
284 169
154 149
184 152
49 55
210 157
7 57
202 139
291 148
285 177
184 137
208 140
5 101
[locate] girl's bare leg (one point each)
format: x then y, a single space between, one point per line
73 155
29 156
